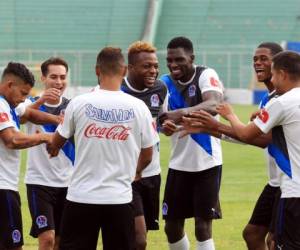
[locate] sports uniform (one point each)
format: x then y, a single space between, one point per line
11 234
265 205
196 159
47 178
146 191
282 115
111 127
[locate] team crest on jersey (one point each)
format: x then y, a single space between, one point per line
16 236
165 209
3 117
192 90
154 100
263 115
42 221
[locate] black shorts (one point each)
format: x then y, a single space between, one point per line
146 200
46 206
81 224
287 230
11 232
264 207
192 194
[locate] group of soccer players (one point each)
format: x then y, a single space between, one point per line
113 181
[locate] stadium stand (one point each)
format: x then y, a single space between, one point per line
224 32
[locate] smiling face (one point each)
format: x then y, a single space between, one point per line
56 77
180 64
144 70
262 61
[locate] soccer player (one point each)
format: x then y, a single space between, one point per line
47 179
141 82
280 119
196 160
16 83
259 225
115 134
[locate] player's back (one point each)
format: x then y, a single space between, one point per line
110 128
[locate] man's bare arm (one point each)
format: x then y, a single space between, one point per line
57 143
14 139
144 160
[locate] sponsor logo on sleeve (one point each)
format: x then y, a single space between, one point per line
214 82
263 115
3 117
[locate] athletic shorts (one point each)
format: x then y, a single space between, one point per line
192 194
145 200
263 210
81 224
46 206
287 231
11 233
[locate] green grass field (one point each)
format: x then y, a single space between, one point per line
244 175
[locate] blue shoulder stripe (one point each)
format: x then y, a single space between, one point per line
176 101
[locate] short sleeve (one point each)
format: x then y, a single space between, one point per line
209 81
67 128
21 108
149 133
5 117
270 116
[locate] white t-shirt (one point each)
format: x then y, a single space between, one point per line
196 152
282 115
10 158
110 128
274 171
41 169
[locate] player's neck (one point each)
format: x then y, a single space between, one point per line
133 84
111 83
269 85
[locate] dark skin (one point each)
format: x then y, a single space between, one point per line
143 71
181 66
254 235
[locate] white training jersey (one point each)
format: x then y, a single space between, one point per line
110 129
274 171
41 169
10 158
195 152
282 115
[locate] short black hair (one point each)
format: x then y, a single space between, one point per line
275 48
53 61
19 70
181 42
288 61
110 60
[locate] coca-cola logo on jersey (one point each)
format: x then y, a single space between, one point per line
116 132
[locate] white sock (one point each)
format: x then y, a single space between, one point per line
205 245
182 244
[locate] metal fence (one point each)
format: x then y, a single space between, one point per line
233 66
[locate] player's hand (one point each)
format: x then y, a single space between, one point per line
138 176
175 116
254 114
225 110
50 95
169 127
52 151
